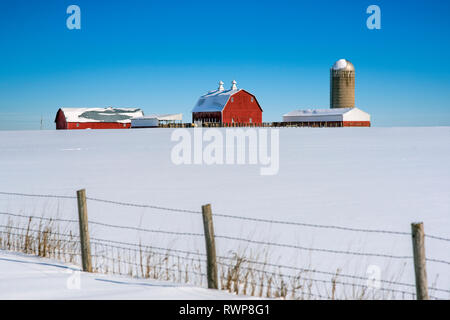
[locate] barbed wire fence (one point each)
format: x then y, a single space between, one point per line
62 239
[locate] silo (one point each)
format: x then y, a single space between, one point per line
342 84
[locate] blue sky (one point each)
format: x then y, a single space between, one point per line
162 55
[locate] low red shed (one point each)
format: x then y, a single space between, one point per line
96 118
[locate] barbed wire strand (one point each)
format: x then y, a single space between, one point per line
128 204
53 233
37 195
437 261
147 230
37 217
312 249
437 238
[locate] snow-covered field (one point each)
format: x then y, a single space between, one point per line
371 178
28 277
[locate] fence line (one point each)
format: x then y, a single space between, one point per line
144 249
253 241
101 241
256 270
319 280
269 221
250 261
306 270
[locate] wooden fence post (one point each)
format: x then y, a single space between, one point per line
84 231
418 240
213 282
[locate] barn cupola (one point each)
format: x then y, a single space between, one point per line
221 88
233 85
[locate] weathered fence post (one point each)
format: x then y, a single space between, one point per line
84 231
213 282
418 239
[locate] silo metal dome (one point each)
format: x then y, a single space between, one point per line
342 84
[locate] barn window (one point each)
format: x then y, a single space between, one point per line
251 118
78 125
251 99
124 125
232 99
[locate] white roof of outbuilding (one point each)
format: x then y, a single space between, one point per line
317 112
214 101
122 115
162 117
336 114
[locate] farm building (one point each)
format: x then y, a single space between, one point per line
342 112
227 106
337 117
153 121
96 118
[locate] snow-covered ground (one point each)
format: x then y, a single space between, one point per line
374 178
30 277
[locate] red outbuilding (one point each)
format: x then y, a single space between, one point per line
227 106
96 118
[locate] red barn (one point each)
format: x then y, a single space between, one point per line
96 118
227 106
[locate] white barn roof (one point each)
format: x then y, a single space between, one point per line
214 101
121 115
337 114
